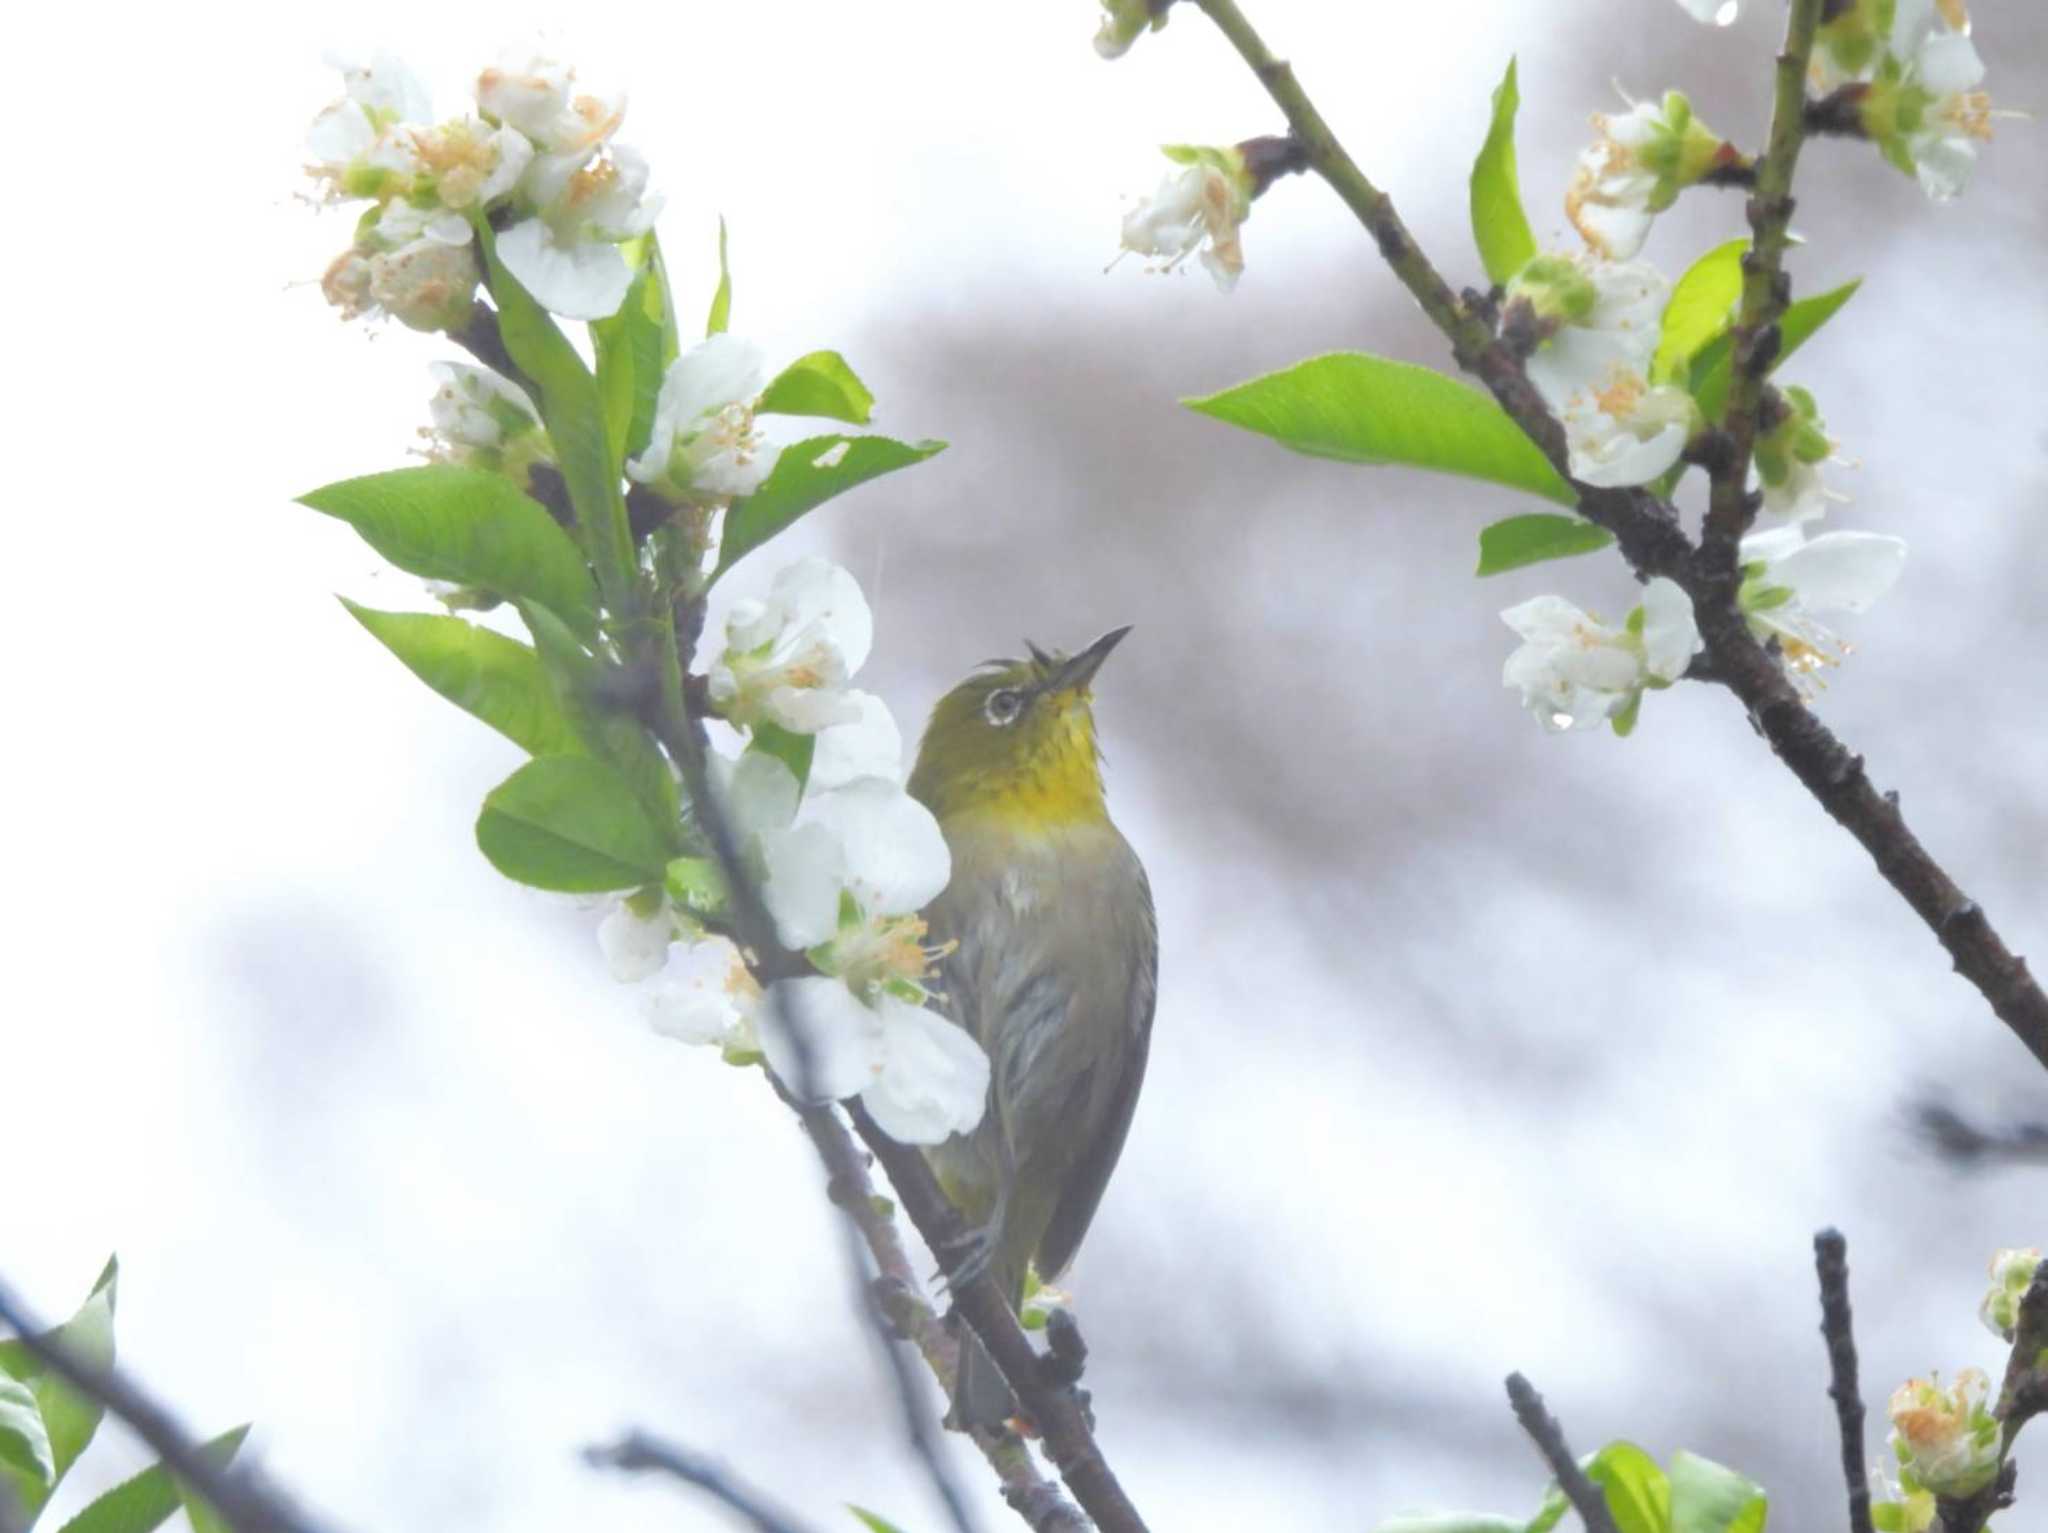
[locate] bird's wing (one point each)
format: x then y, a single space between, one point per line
1090 1176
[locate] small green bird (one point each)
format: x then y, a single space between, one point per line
1053 968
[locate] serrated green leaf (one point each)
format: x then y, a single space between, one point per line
1499 226
497 679
69 1418
1518 541
873 1522
631 346
1452 1522
26 1462
1707 1497
805 476
1802 319
150 1499
569 405
1365 409
820 384
444 522
788 747
573 825
721 301
1637 1492
1701 305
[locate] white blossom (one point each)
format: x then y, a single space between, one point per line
706 995
635 941
920 1077
1788 579
788 656
1593 372
868 745
1946 116
475 411
1199 208
1636 168
1574 671
362 145
704 446
1946 1438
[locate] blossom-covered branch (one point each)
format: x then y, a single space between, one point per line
1754 629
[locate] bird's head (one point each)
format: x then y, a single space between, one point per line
1017 740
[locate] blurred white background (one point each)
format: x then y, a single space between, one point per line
1477 1049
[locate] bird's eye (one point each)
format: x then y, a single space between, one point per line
1003 706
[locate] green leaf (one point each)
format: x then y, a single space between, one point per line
484 673
1888 1516
788 747
819 384
1499 225
805 476
1637 1492
69 1418
1707 1497
872 1522
1551 1512
721 301
630 354
1452 1522
1517 541
1701 305
571 407
461 524
1802 319
571 824
1365 409
150 1499
26 1461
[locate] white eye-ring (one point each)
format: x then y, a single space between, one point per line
1003 706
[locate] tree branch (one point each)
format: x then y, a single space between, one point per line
981 1302
1765 293
1544 1431
1649 536
244 1501
1831 1262
637 1453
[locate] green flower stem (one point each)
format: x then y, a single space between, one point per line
1648 533
1765 294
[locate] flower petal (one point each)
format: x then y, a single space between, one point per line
843 1039
896 856
933 1081
869 745
1841 571
635 946
580 279
1671 635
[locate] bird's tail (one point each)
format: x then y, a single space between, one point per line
980 1396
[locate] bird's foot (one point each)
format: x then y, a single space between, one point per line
963 1261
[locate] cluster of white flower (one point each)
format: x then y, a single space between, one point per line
1916 82
843 864
537 152
1601 321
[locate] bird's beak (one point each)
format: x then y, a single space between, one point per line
1075 673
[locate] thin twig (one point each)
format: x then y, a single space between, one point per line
245 1502
1648 533
1756 340
1544 1431
1831 1262
637 1453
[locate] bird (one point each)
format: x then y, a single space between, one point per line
1049 958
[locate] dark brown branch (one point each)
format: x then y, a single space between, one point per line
2024 1393
638 1453
482 339
1058 1413
245 1502
1765 294
1543 1429
981 1302
1831 1263
1648 533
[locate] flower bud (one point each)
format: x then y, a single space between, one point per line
2012 1273
1122 23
